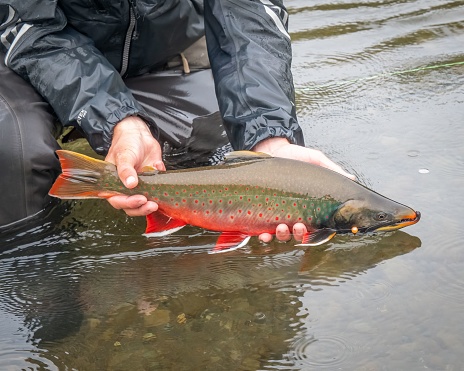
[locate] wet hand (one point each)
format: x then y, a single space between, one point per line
133 147
280 147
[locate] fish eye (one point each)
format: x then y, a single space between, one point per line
381 216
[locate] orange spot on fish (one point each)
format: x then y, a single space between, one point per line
277 218
210 201
249 212
230 202
196 201
260 215
165 193
220 211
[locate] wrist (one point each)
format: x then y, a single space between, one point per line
270 145
132 123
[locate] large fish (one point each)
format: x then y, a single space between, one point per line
250 194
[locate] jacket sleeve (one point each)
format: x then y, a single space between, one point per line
250 54
64 66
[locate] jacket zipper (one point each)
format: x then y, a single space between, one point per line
128 38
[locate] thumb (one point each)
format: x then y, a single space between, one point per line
125 166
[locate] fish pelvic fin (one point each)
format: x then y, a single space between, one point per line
229 241
318 237
81 177
159 225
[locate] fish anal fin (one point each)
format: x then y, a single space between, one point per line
159 225
229 241
318 237
241 156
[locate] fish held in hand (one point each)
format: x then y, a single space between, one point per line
251 193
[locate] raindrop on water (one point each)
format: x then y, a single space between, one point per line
413 153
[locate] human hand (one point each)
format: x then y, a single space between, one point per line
280 147
132 148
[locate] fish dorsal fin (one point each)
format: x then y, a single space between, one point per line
148 170
241 156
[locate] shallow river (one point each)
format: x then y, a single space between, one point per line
380 89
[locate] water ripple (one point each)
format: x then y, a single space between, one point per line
326 352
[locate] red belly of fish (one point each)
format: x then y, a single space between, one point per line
223 219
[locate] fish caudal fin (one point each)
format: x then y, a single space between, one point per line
159 225
318 237
229 241
81 177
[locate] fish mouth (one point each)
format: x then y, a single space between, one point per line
404 222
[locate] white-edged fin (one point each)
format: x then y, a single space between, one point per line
318 237
241 156
162 233
230 241
159 225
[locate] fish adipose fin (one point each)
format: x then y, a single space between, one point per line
241 156
317 237
159 225
81 177
229 241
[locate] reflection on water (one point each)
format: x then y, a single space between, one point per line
161 305
379 89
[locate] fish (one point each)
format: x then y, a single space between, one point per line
249 194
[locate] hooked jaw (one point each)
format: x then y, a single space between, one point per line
404 221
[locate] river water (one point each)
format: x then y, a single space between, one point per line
380 89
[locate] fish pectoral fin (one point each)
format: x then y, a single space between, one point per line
159 225
241 156
229 241
317 237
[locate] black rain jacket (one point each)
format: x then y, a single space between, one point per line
76 53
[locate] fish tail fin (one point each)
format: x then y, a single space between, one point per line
82 177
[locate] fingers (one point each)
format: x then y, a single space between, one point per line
136 205
265 237
125 162
329 164
299 230
283 233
